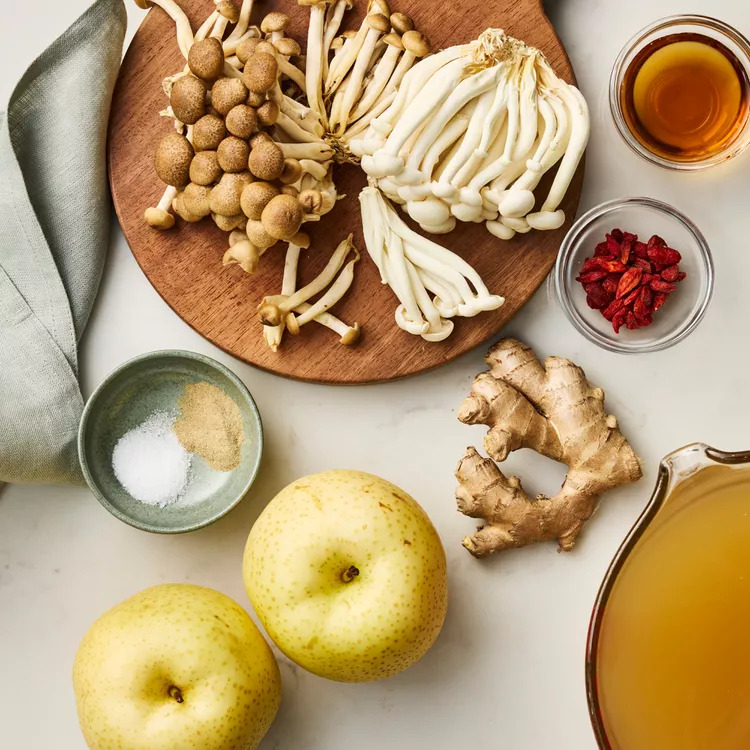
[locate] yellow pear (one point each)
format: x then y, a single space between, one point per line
348 576
175 667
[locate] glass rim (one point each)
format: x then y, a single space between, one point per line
564 293
729 33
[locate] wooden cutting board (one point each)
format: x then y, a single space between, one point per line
184 264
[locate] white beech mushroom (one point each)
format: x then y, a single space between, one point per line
334 17
380 77
314 68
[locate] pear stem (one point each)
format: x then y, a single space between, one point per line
349 574
176 693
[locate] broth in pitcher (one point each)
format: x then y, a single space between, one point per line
673 660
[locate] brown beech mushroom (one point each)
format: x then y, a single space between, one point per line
244 254
255 197
282 217
255 99
261 137
196 199
178 206
158 216
245 49
258 235
208 133
266 48
242 121
275 22
291 172
401 23
289 190
188 99
233 153
206 59
225 197
236 235
268 113
227 93
287 47
229 11
172 161
261 72
227 223
205 169
266 160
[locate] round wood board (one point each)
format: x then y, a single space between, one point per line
184 263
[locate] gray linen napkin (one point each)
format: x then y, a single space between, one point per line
54 226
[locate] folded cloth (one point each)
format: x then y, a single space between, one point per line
54 226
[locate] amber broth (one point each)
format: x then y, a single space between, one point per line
685 96
673 663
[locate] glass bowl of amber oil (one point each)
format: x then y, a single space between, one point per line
680 92
668 657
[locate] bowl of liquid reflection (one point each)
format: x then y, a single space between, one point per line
668 657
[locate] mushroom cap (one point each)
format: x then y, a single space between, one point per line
255 197
275 21
188 99
196 199
245 49
301 239
416 43
287 46
172 160
228 10
144 4
261 72
225 197
351 336
254 99
349 34
378 22
178 205
158 218
242 253
205 169
261 137
266 161
379 6
282 217
394 40
233 153
311 201
237 235
266 48
289 190
268 113
257 234
242 121
206 58
227 93
292 171
208 133
227 223
401 23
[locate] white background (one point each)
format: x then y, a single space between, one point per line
507 670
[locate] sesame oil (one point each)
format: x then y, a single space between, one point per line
685 97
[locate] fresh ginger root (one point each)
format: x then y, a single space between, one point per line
554 410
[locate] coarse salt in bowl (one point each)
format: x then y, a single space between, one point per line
685 307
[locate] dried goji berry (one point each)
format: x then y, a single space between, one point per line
630 279
680 276
630 298
640 249
670 273
601 250
659 299
631 323
656 241
647 295
614 306
618 319
596 297
613 244
662 286
626 247
610 283
664 256
591 276
617 234
642 263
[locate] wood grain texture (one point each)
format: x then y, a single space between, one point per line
184 264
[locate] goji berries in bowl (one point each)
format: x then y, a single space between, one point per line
634 275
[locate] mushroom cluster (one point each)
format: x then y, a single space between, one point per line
246 151
470 134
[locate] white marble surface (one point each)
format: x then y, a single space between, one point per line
507 670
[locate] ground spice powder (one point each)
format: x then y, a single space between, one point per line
210 425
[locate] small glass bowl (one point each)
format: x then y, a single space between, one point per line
738 44
645 217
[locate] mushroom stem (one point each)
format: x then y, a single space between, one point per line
333 23
349 334
296 132
314 68
159 216
274 334
205 28
342 63
182 24
383 72
292 72
364 122
316 151
246 10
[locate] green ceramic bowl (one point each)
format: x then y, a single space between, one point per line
129 396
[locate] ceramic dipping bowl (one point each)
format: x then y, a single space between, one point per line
131 394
